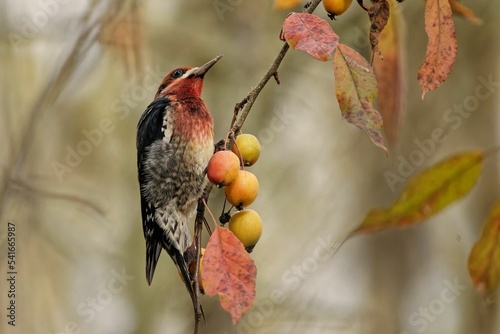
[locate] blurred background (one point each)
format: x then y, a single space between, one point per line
77 75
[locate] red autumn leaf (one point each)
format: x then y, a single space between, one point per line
379 15
356 89
392 77
441 48
484 260
428 193
311 34
229 271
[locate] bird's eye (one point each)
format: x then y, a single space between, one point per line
177 73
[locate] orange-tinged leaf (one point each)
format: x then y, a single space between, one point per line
285 4
429 192
356 89
392 76
484 260
311 34
441 47
379 15
229 271
465 12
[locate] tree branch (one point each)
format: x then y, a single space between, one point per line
249 100
247 103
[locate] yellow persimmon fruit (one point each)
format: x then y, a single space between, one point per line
247 147
242 191
246 225
336 7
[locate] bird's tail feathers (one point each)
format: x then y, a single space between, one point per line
153 251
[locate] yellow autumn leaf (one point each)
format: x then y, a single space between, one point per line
428 193
356 89
484 260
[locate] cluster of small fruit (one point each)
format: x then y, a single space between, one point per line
226 169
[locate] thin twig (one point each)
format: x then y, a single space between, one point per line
22 185
272 71
252 96
207 226
237 109
277 78
198 228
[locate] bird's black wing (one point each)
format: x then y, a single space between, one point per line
149 129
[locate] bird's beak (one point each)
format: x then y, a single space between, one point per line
200 71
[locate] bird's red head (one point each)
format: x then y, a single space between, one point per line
185 81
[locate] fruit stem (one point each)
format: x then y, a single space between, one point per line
209 212
240 156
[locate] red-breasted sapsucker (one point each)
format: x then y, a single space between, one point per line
174 145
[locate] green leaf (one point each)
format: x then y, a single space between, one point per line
428 193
